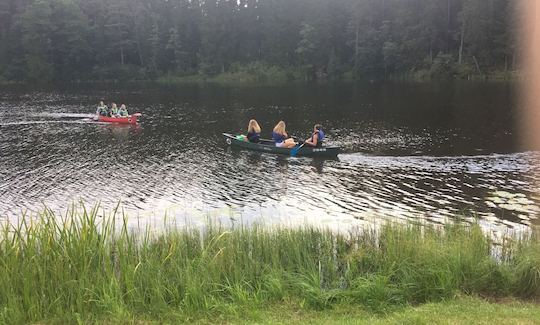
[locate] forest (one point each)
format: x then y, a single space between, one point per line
99 40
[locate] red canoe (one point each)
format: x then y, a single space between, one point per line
131 119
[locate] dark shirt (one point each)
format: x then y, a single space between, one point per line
254 137
278 138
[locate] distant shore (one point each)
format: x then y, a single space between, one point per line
283 77
270 75
81 267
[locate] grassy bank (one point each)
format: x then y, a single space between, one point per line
462 310
256 74
82 268
261 73
279 76
252 73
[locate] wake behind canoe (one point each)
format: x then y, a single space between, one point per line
270 147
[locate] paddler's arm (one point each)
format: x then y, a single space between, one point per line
313 143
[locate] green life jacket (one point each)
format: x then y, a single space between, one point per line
114 110
123 112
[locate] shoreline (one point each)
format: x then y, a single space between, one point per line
235 79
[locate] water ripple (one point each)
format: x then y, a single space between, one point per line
176 163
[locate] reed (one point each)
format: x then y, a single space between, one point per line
83 267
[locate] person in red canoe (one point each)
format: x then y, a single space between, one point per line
102 109
123 112
253 132
280 136
114 110
317 137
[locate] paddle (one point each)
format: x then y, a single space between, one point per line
295 150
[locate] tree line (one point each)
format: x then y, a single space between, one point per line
62 40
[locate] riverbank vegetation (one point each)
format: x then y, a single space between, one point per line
264 40
462 310
83 267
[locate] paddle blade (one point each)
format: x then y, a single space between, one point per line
295 150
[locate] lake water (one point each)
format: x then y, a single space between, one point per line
412 151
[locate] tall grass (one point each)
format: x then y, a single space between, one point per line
82 267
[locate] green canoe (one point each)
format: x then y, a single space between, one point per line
269 146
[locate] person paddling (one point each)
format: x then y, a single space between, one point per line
317 137
254 132
123 111
280 136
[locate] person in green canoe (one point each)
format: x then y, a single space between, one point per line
254 132
281 138
317 137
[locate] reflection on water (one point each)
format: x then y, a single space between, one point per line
412 152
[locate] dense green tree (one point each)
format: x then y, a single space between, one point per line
70 50
280 24
5 22
36 27
42 40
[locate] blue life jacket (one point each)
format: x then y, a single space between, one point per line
320 137
278 138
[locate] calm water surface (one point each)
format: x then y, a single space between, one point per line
411 151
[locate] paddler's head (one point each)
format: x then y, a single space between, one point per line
280 127
254 126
